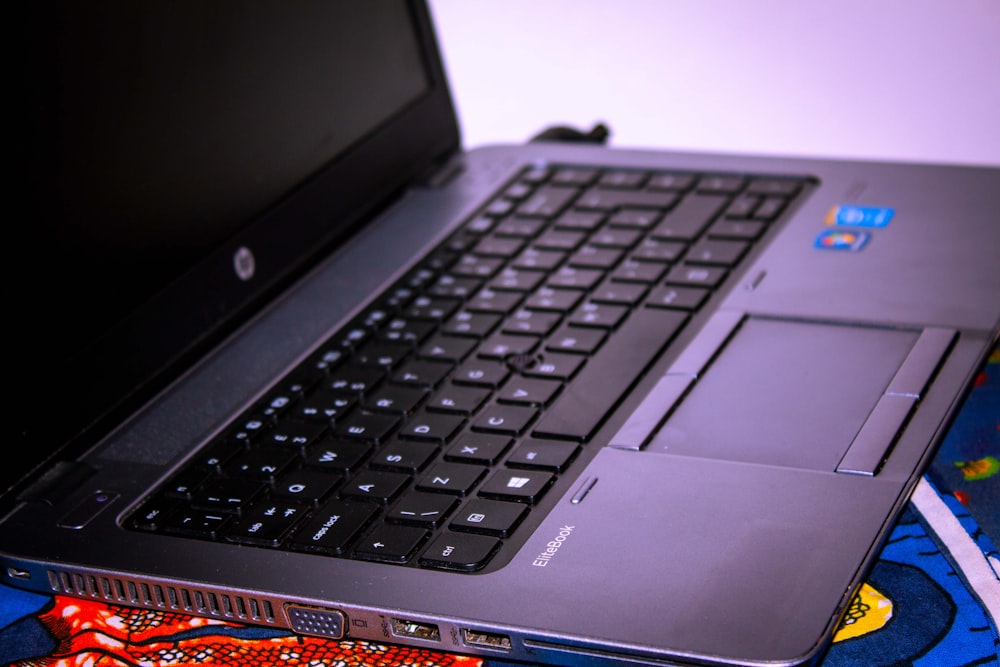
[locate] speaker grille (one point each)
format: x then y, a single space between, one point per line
152 595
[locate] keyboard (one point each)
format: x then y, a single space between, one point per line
440 425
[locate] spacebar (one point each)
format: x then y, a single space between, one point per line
605 378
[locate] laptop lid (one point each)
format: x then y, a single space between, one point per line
179 175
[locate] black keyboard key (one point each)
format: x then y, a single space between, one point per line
528 391
502 345
420 373
227 495
452 478
690 217
494 301
481 373
553 455
355 380
622 179
293 435
599 315
384 355
615 238
742 207
769 209
471 324
579 220
408 457
266 524
513 279
336 454
606 378
183 485
457 288
607 199
306 485
435 427
560 239
523 486
558 300
447 348
625 294
556 366
395 399
571 277
533 258
262 464
332 528
194 523
479 448
639 272
695 276
366 426
576 340
670 182
531 322
736 229
411 332
427 510
594 257
721 184
681 298
716 252
546 202
324 406
574 176
655 250
774 187
457 551
498 246
375 485
489 517
519 227
457 400
511 419
154 513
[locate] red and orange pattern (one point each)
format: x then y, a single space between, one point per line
95 634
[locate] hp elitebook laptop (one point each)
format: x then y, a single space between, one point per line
285 354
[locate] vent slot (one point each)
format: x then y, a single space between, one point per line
152 595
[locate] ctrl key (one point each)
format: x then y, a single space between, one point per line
332 527
459 551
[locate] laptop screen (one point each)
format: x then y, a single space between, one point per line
184 156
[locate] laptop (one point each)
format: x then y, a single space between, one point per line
287 355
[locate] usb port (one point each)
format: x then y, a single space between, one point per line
415 629
489 640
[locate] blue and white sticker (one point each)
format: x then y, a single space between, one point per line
838 239
847 215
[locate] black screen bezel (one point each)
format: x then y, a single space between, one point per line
154 344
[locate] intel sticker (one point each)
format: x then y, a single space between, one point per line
860 216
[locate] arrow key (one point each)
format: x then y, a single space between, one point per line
390 543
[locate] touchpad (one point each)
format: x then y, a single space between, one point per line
786 393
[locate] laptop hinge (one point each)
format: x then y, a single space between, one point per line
442 171
58 482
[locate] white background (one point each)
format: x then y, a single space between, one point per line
909 80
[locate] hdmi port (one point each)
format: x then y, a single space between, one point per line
488 640
415 630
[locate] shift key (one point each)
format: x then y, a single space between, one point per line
609 374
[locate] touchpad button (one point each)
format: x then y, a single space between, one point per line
786 393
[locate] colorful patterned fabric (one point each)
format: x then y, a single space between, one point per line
932 599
